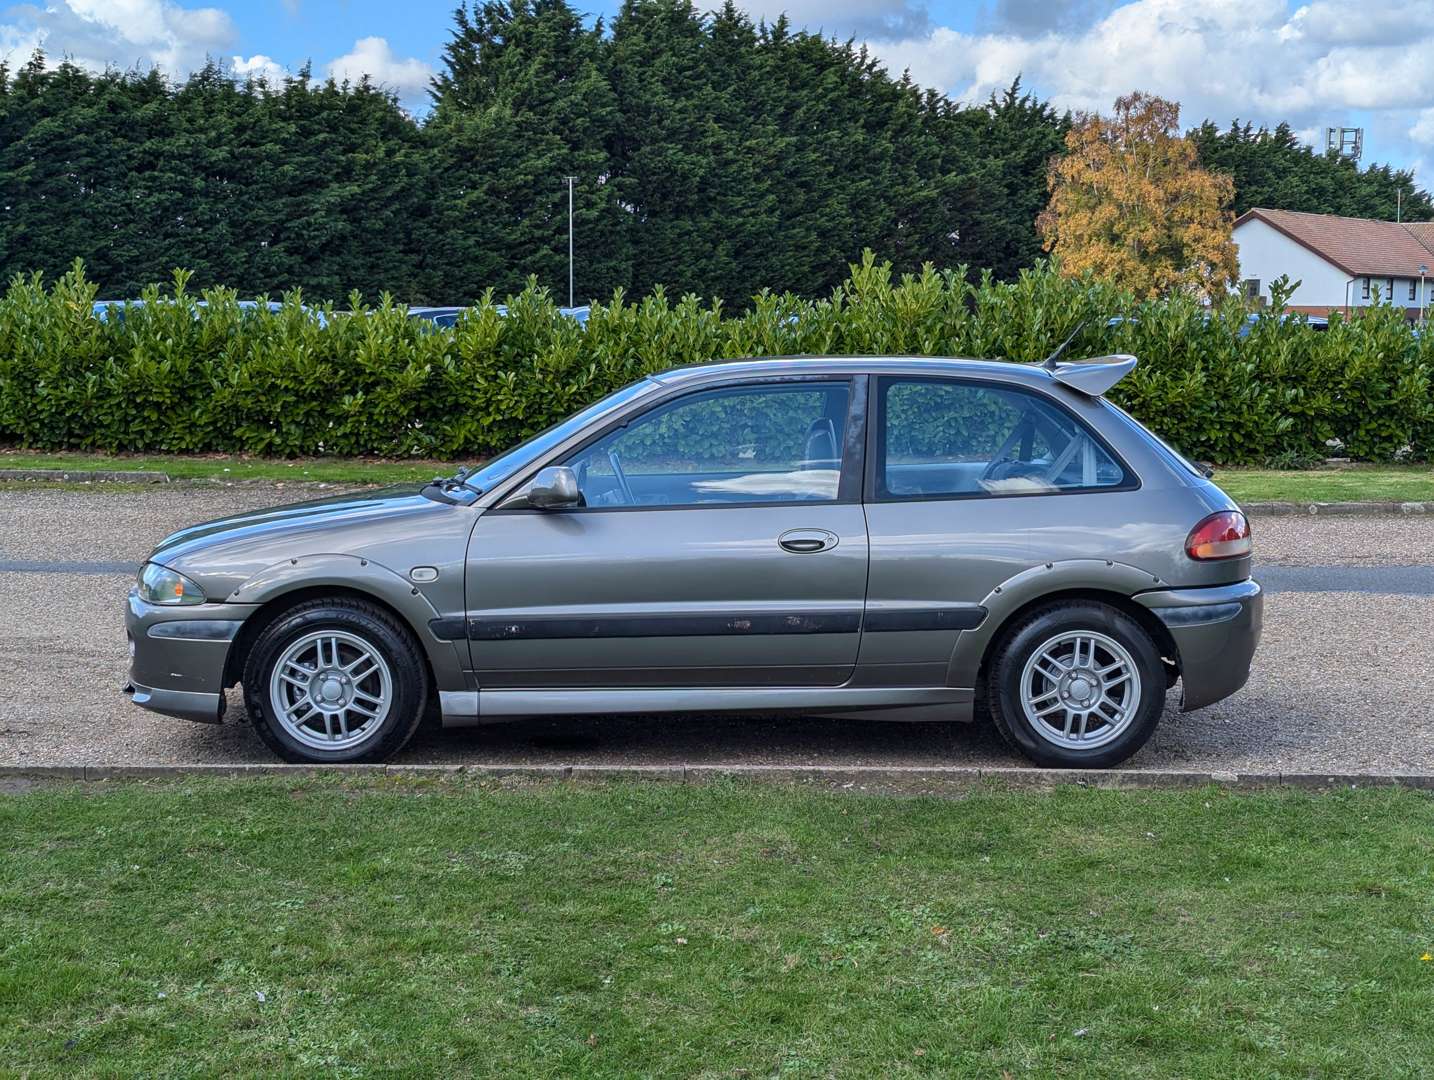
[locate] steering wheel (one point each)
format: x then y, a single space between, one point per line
989 472
618 472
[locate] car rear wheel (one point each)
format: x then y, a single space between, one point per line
335 681
1076 685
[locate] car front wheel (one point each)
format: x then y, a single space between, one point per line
1077 685
335 681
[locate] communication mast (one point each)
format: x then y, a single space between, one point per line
1346 142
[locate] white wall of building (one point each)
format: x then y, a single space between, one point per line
1267 253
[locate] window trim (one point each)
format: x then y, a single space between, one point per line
874 490
849 479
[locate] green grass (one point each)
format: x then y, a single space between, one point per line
1357 483
352 927
236 467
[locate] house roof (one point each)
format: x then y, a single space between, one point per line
1355 245
1423 231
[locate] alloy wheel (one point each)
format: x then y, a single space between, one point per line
1080 690
331 689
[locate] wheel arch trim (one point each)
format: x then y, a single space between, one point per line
310 576
1099 580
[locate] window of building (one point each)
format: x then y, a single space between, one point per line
1413 289
1365 293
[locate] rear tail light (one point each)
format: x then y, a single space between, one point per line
1225 535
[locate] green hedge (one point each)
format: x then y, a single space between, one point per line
179 377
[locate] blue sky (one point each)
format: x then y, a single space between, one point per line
1312 64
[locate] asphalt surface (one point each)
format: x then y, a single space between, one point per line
1342 683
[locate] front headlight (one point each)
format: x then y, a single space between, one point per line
161 585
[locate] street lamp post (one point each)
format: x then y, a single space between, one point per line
570 180
1347 285
1423 270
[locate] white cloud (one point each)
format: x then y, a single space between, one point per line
1337 24
1266 61
117 33
259 66
1422 130
372 56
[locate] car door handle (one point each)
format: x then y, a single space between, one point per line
804 541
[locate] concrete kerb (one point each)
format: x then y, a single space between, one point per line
836 777
86 476
1314 509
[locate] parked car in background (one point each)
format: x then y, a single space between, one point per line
910 539
447 317
1318 323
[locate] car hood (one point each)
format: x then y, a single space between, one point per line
221 554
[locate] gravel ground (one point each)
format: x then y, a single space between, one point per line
1345 540
1341 683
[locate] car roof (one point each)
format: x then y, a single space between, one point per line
788 365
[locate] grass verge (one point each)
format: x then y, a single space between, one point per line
358 926
235 467
1354 483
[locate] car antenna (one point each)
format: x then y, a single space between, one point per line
1050 362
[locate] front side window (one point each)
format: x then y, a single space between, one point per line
945 438
1413 290
772 443
1365 289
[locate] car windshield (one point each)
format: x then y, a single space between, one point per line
491 472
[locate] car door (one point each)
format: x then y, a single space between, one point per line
958 470
721 542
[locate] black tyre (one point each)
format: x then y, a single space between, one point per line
335 681
1076 685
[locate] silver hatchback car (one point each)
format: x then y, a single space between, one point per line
905 539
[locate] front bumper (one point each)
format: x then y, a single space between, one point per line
177 656
1216 631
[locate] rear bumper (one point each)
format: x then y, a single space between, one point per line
1216 631
177 656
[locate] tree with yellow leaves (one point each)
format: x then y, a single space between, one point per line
1130 204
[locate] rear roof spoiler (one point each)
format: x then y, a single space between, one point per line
1095 376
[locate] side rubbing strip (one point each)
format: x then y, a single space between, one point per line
952 618
625 626
449 629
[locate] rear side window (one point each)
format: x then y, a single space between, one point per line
1175 455
945 438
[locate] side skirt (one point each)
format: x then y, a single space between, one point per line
466 708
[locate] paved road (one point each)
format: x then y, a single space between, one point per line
1343 681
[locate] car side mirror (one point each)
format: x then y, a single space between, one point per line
555 488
